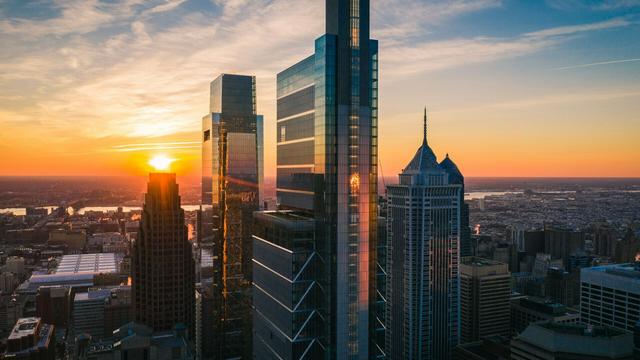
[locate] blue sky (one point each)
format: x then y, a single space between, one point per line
529 88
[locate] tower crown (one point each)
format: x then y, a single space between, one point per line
424 159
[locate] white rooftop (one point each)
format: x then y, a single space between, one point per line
88 263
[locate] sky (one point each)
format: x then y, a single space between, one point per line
512 88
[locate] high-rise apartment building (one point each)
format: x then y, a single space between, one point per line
485 307
610 295
162 269
423 239
231 191
327 168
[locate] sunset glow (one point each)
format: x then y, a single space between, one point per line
161 163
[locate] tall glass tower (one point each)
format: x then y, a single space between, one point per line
327 168
231 185
424 219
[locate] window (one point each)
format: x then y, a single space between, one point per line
207 135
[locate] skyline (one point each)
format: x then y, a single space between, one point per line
93 88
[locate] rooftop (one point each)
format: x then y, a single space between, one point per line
88 263
25 327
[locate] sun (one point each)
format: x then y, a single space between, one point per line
161 162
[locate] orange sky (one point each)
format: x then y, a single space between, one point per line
549 96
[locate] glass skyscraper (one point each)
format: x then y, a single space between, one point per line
231 185
423 236
327 168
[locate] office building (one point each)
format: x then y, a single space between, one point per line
561 243
137 341
485 290
31 339
231 185
88 313
489 348
552 341
423 237
53 305
327 167
562 287
205 317
610 295
528 310
287 320
162 270
74 240
8 282
15 264
627 248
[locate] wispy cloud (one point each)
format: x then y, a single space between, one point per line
610 62
157 146
600 5
410 57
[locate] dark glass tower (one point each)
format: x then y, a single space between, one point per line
231 183
327 169
162 264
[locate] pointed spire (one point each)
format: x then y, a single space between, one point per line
424 138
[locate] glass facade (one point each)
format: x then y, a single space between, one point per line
326 159
285 289
232 175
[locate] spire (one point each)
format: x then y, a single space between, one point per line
424 138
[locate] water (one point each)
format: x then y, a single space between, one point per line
82 211
475 195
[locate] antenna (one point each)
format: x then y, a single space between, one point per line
424 138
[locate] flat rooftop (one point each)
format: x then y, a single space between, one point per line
88 263
24 327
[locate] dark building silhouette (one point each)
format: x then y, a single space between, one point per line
53 304
162 270
561 243
231 185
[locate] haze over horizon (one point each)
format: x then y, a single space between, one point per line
89 87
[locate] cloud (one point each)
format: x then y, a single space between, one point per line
594 5
406 58
610 62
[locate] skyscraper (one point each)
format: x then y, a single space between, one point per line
231 184
485 291
423 236
162 269
327 168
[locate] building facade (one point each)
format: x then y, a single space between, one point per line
285 290
485 290
162 269
423 239
231 191
552 341
610 295
327 168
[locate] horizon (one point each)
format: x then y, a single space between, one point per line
508 94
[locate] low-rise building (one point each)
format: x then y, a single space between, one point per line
527 310
31 339
553 341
